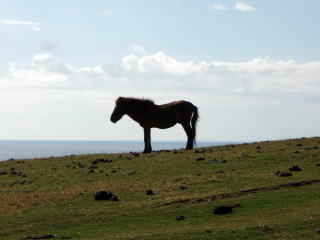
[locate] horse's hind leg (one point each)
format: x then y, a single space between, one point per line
187 128
147 140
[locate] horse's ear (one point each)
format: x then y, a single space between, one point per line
119 99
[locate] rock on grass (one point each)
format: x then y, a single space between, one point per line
101 160
220 210
225 209
295 168
180 218
105 195
48 236
149 192
283 174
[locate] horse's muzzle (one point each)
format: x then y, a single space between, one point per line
113 120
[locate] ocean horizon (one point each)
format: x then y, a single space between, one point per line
31 149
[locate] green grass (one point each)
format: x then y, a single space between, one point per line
55 195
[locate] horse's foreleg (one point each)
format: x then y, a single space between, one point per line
187 128
150 148
147 140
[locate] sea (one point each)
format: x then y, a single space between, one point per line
30 149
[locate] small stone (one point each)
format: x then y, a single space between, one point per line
81 165
283 174
220 210
131 173
180 218
149 192
135 154
105 195
40 237
101 160
220 171
295 168
317 231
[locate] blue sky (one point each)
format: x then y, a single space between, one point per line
189 30
252 67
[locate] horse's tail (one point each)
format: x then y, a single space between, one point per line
194 121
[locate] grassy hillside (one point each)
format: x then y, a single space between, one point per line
55 196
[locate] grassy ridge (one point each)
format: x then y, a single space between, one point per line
55 195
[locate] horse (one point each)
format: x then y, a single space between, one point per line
149 115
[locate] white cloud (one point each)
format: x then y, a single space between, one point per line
46 71
138 50
256 82
34 25
244 7
42 57
219 7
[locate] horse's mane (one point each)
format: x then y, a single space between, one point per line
143 102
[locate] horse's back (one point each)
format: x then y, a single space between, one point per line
180 104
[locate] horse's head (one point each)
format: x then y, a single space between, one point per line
118 111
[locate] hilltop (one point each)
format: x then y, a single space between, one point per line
273 186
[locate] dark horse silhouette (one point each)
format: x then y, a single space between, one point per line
149 115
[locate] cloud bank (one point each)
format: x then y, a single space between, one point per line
260 81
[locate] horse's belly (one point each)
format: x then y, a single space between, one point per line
165 125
